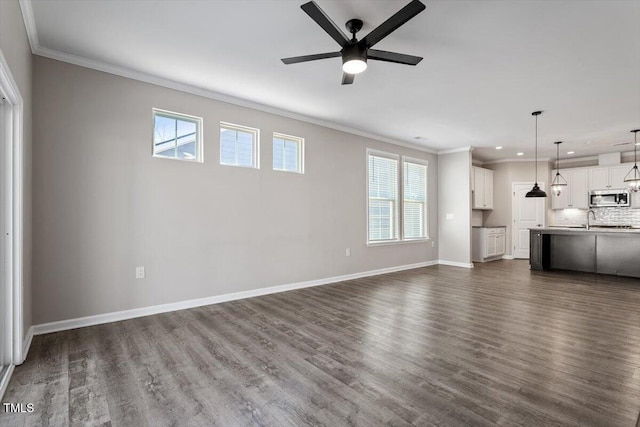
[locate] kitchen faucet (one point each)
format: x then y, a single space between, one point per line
590 211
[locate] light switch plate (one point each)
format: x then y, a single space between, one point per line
140 273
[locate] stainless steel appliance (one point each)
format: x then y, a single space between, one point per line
604 198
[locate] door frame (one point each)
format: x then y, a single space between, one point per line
513 211
13 170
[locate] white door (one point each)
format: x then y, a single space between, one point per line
527 213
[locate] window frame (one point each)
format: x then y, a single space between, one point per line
425 163
184 117
299 141
398 213
255 149
400 205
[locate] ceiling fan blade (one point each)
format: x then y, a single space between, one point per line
305 58
347 78
398 58
321 18
392 24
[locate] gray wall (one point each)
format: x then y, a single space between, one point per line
504 175
454 198
103 205
15 48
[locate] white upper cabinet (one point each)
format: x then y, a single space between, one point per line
579 190
598 178
482 188
575 194
616 176
603 178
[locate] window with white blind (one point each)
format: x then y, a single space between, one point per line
238 145
414 195
383 197
288 153
388 220
177 136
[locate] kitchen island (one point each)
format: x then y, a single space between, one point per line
596 250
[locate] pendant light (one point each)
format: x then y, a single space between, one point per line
633 177
558 180
536 191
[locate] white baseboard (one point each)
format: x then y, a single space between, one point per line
27 344
455 263
507 257
4 381
98 319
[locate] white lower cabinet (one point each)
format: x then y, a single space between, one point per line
488 243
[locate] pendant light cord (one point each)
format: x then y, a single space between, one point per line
635 148
535 166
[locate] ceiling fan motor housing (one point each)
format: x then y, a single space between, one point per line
354 51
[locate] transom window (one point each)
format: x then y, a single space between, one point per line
288 153
238 145
177 136
387 218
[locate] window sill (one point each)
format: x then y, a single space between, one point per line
397 242
239 166
177 158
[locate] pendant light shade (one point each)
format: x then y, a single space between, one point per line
558 181
633 177
536 191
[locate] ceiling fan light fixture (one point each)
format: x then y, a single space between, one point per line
354 65
355 53
354 58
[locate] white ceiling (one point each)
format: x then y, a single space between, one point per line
487 64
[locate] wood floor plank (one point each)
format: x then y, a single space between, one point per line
497 345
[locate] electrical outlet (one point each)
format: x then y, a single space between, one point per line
433 243
140 273
347 252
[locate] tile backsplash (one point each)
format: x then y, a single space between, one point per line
604 216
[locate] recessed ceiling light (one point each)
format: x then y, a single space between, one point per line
588 142
499 147
571 152
519 154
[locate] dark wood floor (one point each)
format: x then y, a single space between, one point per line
446 346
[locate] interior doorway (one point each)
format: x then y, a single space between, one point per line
11 214
526 213
5 333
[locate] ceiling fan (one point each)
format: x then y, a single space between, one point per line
355 53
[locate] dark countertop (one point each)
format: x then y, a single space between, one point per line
488 226
583 230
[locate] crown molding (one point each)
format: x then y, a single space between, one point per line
516 159
29 24
456 150
37 49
